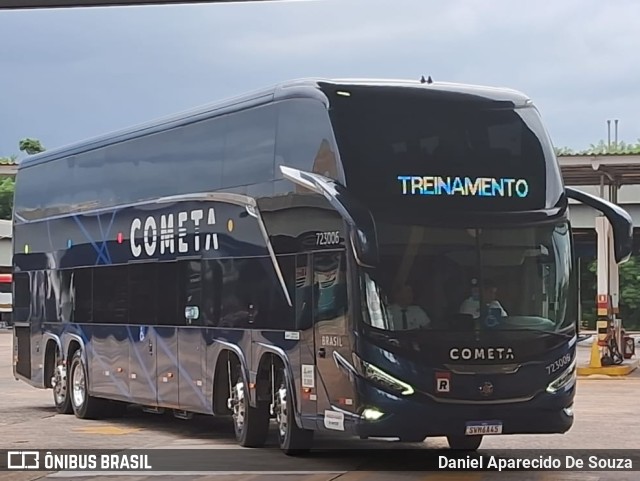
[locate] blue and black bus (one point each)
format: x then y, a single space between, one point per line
379 258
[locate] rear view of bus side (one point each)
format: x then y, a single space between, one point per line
378 258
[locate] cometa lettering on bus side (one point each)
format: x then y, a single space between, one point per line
481 353
163 239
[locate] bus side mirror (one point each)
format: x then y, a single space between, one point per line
620 221
361 224
365 246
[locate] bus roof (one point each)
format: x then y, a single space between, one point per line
311 87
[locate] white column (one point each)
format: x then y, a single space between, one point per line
604 258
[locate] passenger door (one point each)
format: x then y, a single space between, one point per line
330 312
308 400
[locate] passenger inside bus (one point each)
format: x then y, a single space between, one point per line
404 314
471 305
439 295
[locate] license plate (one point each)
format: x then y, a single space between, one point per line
478 428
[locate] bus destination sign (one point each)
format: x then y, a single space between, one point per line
463 186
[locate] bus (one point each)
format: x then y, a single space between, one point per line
6 299
378 258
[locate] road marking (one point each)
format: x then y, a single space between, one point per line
80 474
559 476
356 476
461 476
115 430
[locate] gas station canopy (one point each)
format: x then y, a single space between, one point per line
609 169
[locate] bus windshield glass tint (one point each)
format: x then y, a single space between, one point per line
470 279
410 150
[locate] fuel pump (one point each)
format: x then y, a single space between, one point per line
610 336
608 340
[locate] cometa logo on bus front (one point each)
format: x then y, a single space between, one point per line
481 353
463 186
170 233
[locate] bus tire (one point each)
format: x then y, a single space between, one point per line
292 440
465 443
84 406
60 382
251 424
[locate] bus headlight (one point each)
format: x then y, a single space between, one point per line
565 379
380 377
372 414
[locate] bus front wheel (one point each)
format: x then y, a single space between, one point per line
465 443
292 439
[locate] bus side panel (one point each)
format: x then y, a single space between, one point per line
142 365
108 359
168 366
192 383
36 315
22 342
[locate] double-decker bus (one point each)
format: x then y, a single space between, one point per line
6 299
379 258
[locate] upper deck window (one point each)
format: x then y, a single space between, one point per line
432 150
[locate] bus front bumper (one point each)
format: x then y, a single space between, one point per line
406 417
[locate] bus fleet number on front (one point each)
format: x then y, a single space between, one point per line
559 363
327 238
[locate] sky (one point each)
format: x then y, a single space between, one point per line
70 74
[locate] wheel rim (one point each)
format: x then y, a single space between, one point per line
79 387
281 411
237 403
60 384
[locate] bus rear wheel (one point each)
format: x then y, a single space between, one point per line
465 443
84 406
251 424
291 439
60 384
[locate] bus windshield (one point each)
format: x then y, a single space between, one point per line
468 279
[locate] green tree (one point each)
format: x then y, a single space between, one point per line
602 147
31 146
564 151
615 148
6 190
7 184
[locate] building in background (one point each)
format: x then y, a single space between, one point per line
6 296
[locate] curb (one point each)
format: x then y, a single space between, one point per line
608 371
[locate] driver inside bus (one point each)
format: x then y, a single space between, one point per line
404 313
471 305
